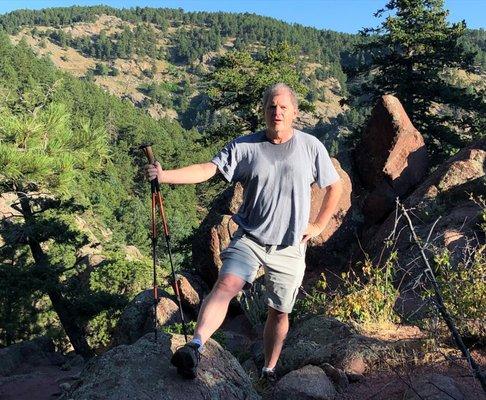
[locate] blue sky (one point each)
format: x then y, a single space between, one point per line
339 15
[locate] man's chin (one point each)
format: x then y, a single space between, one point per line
277 130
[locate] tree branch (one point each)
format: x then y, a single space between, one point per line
439 302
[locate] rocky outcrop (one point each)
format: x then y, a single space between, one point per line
444 195
132 253
143 371
342 208
443 202
392 158
318 340
34 353
189 296
8 206
137 318
33 370
215 233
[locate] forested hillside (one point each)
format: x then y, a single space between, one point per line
166 54
175 64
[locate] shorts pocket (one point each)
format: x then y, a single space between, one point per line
302 249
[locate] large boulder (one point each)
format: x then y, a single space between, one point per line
143 371
327 250
30 354
443 212
343 206
137 317
318 340
307 383
441 202
190 297
214 234
34 370
392 158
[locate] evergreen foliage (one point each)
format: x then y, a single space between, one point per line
200 33
240 78
413 51
68 153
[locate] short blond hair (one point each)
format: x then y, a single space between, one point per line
274 89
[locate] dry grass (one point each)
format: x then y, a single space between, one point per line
390 331
109 23
462 78
75 63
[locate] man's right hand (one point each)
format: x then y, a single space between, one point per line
153 171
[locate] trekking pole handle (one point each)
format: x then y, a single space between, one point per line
147 149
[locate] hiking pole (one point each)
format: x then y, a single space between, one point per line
157 200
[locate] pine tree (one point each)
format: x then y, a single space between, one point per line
240 78
413 50
44 163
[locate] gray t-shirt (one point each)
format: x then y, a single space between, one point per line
276 179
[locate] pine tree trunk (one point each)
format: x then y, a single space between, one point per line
61 307
8 320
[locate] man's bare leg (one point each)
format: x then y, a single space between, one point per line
215 305
274 334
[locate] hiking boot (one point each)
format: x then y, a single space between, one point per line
186 359
269 376
266 383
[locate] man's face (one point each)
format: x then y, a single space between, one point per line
280 112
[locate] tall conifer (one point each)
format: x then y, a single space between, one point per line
414 52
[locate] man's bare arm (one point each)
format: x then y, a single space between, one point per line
329 204
328 208
195 173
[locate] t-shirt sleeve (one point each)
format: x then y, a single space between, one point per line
324 172
227 161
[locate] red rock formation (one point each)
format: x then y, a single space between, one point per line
392 158
189 296
443 197
343 206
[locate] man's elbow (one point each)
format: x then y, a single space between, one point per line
210 169
336 186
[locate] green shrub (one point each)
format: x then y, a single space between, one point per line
369 299
463 287
253 304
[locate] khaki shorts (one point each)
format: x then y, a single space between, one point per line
284 267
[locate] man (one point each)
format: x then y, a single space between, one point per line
276 168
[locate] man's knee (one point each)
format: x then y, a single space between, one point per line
228 285
276 315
